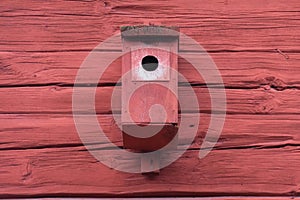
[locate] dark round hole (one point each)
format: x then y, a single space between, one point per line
150 63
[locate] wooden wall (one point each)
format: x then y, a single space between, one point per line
255 44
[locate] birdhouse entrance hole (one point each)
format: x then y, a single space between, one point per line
150 63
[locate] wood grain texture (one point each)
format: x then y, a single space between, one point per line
56 99
23 131
238 69
256 46
72 171
218 25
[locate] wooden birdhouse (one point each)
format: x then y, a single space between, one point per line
149 87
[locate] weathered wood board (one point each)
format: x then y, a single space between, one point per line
58 130
238 69
256 46
57 99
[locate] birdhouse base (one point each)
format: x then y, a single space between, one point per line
165 138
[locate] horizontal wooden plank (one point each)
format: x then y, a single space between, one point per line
240 131
74 172
238 69
217 25
55 99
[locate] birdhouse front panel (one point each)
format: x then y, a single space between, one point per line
149 78
149 87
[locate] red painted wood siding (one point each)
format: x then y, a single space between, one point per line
255 44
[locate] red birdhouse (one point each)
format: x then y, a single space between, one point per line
149 87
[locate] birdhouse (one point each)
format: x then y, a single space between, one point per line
149 87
